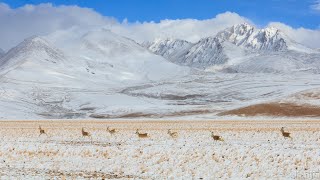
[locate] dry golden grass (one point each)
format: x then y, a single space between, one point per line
276 109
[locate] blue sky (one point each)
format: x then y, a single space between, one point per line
296 13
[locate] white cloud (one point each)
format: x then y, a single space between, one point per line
316 5
308 37
187 29
18 24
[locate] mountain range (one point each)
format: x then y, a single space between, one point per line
241 48
77 73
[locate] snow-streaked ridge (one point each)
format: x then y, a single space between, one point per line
205 53
168 47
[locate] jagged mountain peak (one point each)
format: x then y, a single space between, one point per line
247 36
241 29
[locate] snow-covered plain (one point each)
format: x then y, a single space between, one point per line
250 149
197 96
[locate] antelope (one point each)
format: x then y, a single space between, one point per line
141 135
172 134
285 134
111 131
216 138
42 131
84 133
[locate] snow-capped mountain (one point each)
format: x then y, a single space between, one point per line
56 75
34 57
242 48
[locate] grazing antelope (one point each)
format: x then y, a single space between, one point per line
172 134
42 131
285 134
111 131
141 135
85 134
216 138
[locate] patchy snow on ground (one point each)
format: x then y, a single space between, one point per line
249 150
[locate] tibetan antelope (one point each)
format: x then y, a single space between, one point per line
42 131
85 133
285 134
111 131
172 134
216 138
141 135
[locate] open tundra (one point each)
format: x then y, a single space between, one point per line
251 149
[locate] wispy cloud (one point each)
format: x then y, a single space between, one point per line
316 5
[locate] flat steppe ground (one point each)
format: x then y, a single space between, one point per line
251 149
